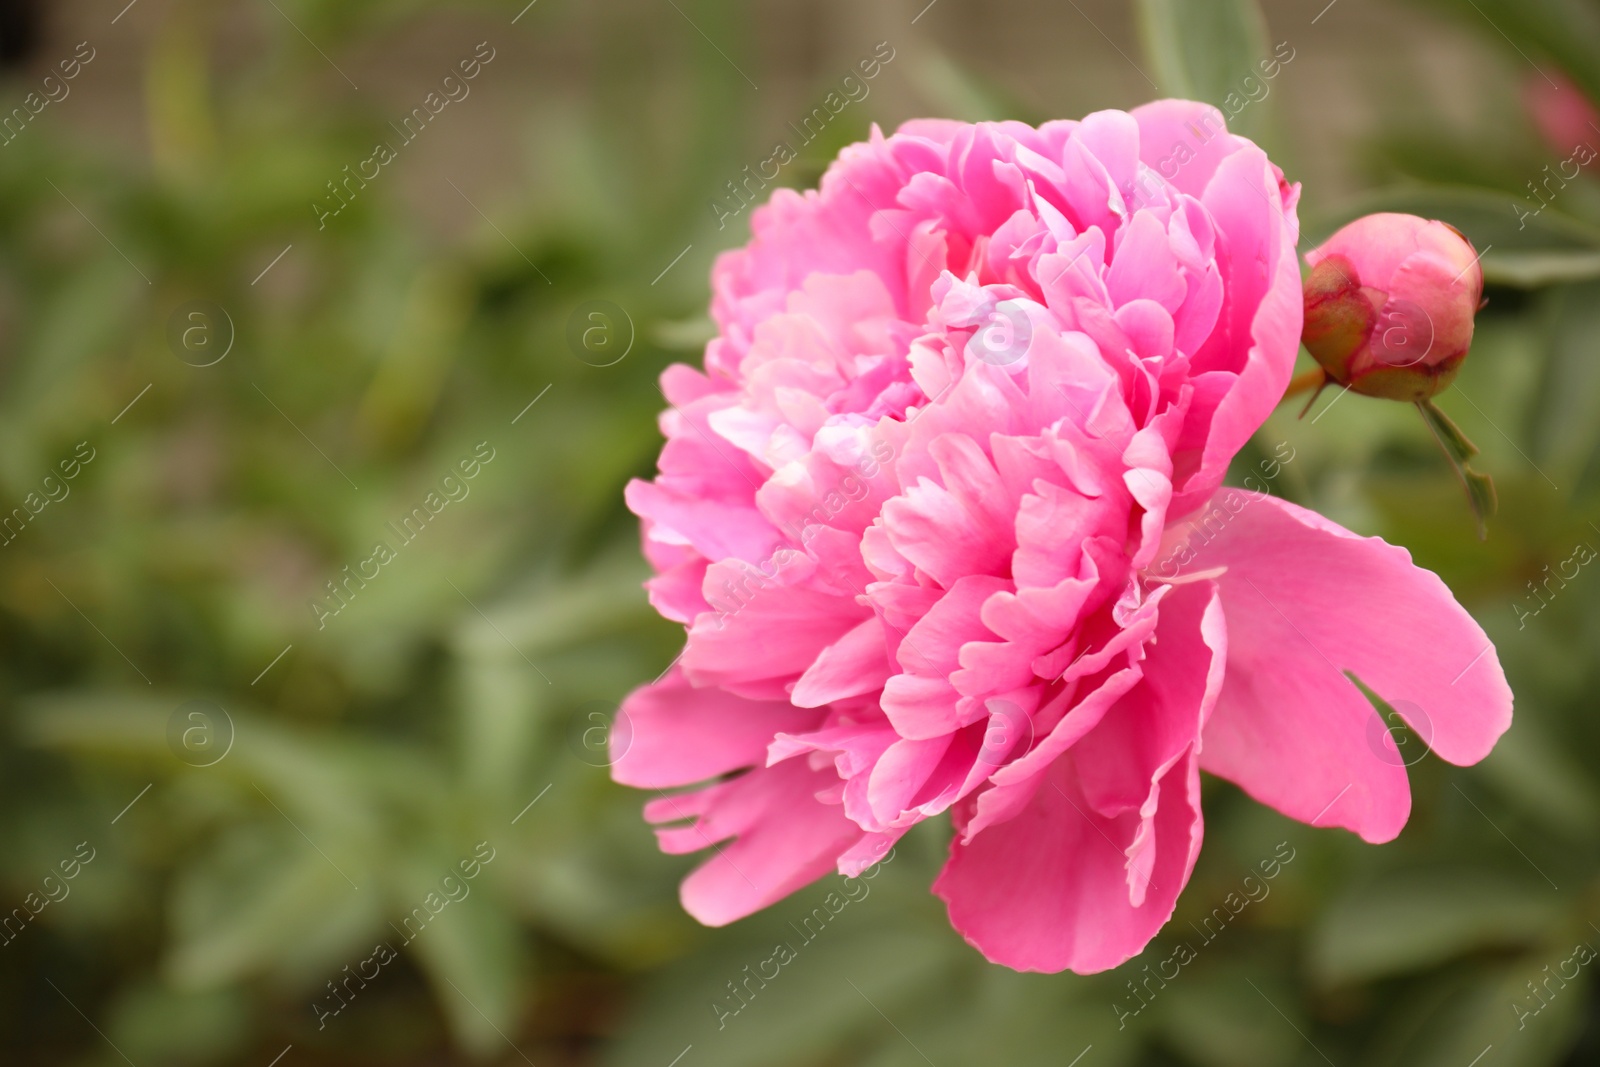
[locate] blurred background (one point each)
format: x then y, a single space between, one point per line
272 796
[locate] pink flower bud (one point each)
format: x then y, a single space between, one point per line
1389 305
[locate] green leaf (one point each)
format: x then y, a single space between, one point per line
1566 422
1537 31
1540 778
1408 921
999 1016
153 1022
265 902
1220 1019
1207 50
1537 269
1457 1018
822 1001
472 952
123 723
498 709
602 600
957 92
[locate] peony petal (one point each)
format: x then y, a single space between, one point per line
1047 890
784 839
1307 600
768 633
857 663
1083 876
1184 141
1263 303
723 732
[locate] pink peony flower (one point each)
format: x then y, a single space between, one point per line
1564 116
1389 305
944 518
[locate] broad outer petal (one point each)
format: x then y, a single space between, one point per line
1307 600
1086 874
1184 141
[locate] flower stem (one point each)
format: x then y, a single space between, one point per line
1458 450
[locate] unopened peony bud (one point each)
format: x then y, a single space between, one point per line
1389 305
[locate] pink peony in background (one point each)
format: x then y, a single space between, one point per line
1563 115
944 519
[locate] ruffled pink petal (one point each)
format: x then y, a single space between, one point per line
769 632
784 838
671 734
1090 869
921 702
1263 303
855 664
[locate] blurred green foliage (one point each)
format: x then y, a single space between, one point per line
461 697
